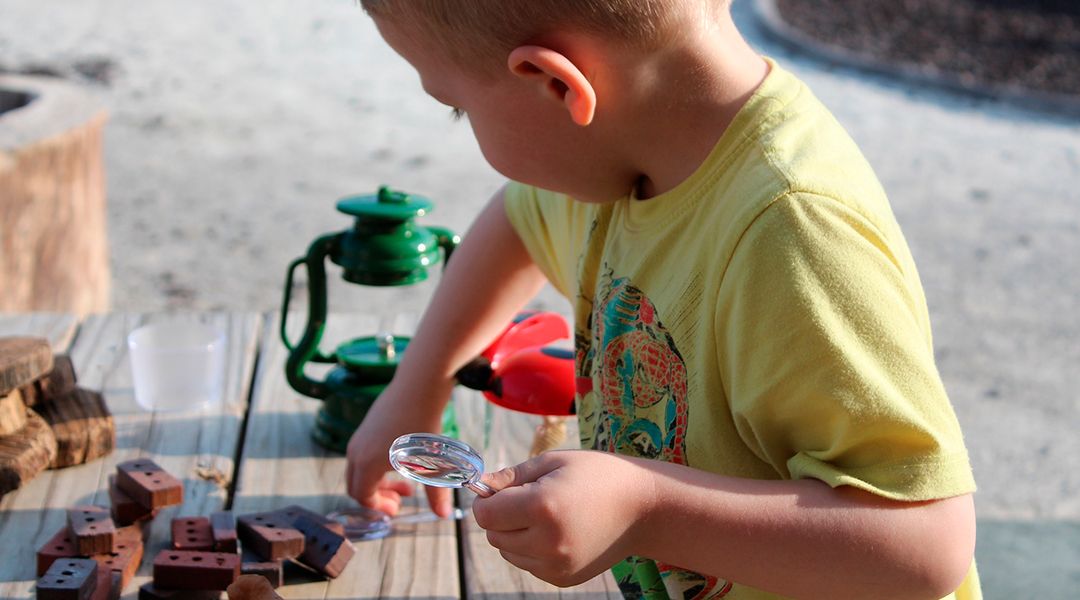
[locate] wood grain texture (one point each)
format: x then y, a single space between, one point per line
53 242
179 442
82 424
505 438
282 466
22 360
12 412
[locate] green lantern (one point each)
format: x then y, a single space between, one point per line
385 247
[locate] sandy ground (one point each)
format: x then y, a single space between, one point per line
236 125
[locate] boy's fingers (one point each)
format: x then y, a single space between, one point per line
441 500
508 510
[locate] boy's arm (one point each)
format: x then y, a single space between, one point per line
798 538
487 280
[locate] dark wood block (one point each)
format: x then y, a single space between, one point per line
295 511
149 592
92 528
60 380
223 527
26 453
272 570
125 510
126 554
192 533
183 570
109 585
69 579
148 484
324 550
23 360
82 424
270 535
60 545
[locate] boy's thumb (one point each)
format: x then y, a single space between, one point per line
520 474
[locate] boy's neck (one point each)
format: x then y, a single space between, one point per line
680 102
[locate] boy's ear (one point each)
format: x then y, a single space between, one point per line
558 78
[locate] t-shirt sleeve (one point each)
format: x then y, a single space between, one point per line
827 366
545 222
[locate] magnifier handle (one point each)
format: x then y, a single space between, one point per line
480 488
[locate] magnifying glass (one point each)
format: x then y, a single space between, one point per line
439 461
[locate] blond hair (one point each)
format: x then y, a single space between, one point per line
480 33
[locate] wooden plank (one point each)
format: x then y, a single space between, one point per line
283 466
58 328
182 443
509 436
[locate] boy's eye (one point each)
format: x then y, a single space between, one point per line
456 114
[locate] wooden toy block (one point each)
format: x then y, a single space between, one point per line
92 528
270 535
82 424
272 570
126 511
223 527
252 587
149 592
26 453
183 570
60 545
69 579
23 360
148 484
294 511
12 412
126 554
192 533
324 550
109 585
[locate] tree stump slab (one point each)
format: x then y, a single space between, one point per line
23 360
53 242
82 425
25 454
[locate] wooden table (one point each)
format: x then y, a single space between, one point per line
255 453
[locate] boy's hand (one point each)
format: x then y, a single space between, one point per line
393 414
566 516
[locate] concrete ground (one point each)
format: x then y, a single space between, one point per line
236 125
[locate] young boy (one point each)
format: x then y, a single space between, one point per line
756 380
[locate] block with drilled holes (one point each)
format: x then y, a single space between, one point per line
148 484
270 535
69 579
124 509
108 585
149 591
126 554
60 545
92 528
183 570
223 527
192 533
272 570
295 511
324 550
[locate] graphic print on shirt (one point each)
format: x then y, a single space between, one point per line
641 406
640 409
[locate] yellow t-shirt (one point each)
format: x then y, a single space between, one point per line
764 319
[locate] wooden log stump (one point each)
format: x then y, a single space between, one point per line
53 244
25 454
83 427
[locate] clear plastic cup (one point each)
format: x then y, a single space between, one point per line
177 365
